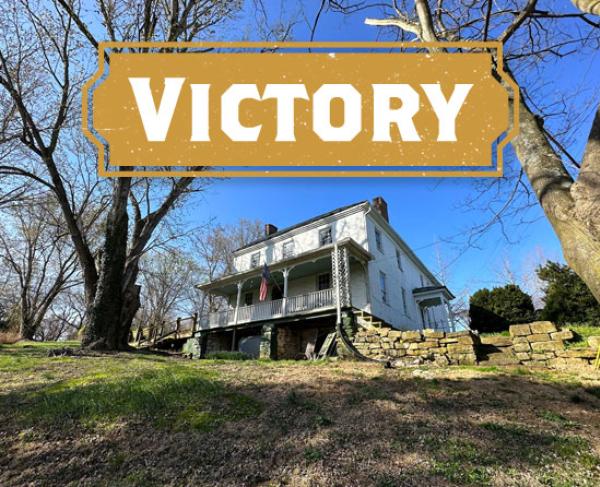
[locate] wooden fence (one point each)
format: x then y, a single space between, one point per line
182 327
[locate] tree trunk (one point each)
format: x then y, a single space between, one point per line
130 307
26 322
553 186
27 330
104 323
588 6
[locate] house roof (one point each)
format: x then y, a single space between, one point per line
301 224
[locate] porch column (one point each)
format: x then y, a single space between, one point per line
336 279
268 342
286 273
450 315
238 301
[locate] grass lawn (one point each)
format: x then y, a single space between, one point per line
137 419
582 332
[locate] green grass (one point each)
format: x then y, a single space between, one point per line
312 454
504 333
26 355
176 395
556 418
582 332
227 356
471 461
537 447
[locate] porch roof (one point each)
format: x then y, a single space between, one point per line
424 292
229 279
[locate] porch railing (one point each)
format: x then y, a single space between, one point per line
315 300
271 309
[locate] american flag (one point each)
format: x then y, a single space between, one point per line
264 283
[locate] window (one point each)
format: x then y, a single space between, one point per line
404 304
323 281
422 281
255 260
383 287
248 299
288 249
399 259
325 236
378 240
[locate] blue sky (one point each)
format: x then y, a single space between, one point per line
423 211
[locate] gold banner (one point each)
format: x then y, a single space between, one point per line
332 113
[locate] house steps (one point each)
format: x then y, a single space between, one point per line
367 320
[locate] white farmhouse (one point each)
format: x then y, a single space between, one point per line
347 263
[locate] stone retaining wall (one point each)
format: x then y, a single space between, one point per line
539 344
416 347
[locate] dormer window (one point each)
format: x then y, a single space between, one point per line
325 236
378 241
255 260
288 249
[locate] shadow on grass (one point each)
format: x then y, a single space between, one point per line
186 423
174 397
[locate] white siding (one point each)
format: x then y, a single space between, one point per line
305 239
359 225
409 278
358 287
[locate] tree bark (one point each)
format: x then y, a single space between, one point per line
588 6
555 191
104 322
27 328
586 190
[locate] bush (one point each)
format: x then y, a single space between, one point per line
227 356
496 309
567 298
9 337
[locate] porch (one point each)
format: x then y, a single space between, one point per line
312 282
434 306
267 310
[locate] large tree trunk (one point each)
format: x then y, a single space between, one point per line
104 324
27 329
588 6
561 199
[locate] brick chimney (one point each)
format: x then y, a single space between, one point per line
381 206
270 229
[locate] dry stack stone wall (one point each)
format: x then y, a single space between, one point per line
538 344
541 343
417 347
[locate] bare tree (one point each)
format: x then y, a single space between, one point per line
37 259
166 276
568 191
213 251
47 51
65 318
